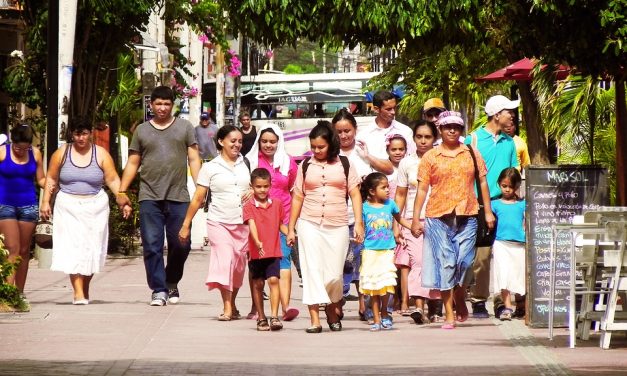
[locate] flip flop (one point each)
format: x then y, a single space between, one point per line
290 314
224 317
405 312
252 316
448 325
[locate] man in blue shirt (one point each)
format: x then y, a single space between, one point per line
499 152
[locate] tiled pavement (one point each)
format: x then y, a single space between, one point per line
120 334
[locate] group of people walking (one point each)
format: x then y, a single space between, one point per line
369 206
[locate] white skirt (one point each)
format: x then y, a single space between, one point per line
322 252
508 269
80 233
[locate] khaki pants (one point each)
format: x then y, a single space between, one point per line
480 291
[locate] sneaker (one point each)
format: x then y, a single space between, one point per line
173 295
158 299
479 311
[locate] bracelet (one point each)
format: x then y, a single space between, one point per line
121 193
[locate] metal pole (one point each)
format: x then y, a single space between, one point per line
52 72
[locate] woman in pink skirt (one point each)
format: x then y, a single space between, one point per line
227 177
409 250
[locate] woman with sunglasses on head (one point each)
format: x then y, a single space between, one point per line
79 170
21 165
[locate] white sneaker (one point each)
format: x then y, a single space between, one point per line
173 296
158 300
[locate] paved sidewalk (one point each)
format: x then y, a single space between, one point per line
120 334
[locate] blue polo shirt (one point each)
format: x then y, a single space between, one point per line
498 153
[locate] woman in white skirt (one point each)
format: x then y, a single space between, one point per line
78 170
508 274
319 204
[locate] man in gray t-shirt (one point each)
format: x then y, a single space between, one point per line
164 147
205 135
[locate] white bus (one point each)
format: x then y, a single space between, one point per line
295 102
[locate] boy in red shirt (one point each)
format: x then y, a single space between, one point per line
264 246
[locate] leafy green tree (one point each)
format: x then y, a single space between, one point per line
587 34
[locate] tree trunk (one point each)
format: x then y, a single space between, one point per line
536 140
621 144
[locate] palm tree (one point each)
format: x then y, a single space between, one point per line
581 115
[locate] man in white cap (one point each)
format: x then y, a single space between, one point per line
499 152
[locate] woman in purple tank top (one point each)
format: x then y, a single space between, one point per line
79 170
20 166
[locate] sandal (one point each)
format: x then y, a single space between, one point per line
448 325
506 315
236 315
386 323
362 316
275 324
405 312
375 327
335 326
224 317
314 329
418 316
262 325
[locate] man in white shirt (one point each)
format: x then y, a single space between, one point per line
371 138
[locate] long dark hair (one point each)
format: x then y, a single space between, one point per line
512 174
371 182
415 124
223 132
324 130
344 114
22 133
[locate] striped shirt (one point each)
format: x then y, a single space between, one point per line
77 180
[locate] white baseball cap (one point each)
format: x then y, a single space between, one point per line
3 138
498 103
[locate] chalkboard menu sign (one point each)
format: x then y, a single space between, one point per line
555 194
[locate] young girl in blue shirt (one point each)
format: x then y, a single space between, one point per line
509 246
377 275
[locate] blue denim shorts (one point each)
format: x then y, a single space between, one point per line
28 213
286 260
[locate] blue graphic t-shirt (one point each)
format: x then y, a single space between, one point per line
378 225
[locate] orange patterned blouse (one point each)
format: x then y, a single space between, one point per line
451 175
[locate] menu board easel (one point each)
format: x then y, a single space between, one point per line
555 194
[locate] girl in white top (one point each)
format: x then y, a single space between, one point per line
409 254
227 177
345 125
396 147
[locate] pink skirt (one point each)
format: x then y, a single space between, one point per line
228 255
411 256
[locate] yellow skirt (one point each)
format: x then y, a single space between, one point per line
377 274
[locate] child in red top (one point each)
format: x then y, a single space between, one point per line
264 246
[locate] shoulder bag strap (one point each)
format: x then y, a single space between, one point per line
474 161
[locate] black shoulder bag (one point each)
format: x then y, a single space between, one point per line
485 236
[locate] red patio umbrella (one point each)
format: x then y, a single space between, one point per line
521 71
